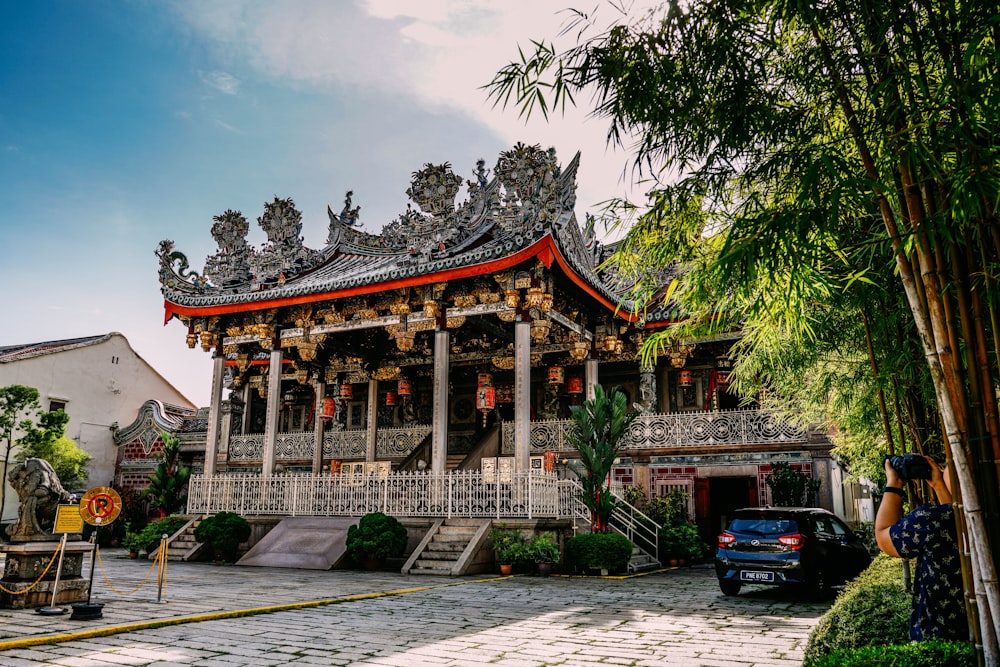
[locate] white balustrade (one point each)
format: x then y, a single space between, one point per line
345 444
677 429
467 493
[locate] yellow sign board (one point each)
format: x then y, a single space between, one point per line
68 519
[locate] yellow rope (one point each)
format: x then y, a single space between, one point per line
40 577
104 574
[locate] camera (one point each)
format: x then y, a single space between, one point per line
910 466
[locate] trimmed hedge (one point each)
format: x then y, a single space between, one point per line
872 610
608 551
933 653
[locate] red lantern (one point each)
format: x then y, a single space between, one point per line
550 461
574 385
346 391
403 387
390 397
557 374
486 399
329 405
335 466
685 379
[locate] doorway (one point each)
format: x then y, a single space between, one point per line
727 494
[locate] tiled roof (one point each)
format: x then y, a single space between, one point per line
16 352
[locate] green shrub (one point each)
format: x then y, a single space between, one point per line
377 536
608 551
934 653
223 533
148 539
681 541
542 548
872 610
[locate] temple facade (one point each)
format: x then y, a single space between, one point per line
453 345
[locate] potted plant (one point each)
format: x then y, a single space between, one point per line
679 543
544 551
508 548
134 542
223 533
374 538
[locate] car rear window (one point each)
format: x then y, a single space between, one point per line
761 526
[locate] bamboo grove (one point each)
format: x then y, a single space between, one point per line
824 175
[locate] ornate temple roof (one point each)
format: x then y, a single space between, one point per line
523 212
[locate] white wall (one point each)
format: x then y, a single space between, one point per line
102 383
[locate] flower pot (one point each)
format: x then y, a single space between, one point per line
544 569
506 568
673 562
133 555
372 563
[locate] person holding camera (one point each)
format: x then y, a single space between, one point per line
927 534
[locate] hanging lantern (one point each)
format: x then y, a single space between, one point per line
347 391
723 367
390 398
484 380
685 378
403 387
574 385
486 399
557 374
329 407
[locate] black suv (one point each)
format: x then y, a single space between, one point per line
788 545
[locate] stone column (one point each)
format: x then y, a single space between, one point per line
590 377
245 419
439 426
214 412
372 420
647 389
232 413
319 390
273 404
522 394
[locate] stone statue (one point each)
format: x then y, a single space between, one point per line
39 492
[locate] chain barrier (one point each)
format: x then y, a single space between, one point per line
39 579
156 564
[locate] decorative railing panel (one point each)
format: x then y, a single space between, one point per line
399 442
416 494
679 429
351 444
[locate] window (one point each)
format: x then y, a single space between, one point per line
57 405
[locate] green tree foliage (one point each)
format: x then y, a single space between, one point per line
17 404
168 482
825 176
49 441
791 488
598 428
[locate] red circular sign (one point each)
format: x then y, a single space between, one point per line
100 505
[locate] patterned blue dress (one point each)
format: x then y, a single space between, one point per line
928 535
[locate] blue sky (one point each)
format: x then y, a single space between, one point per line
124 123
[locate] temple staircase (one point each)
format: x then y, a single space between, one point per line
181 546
452 547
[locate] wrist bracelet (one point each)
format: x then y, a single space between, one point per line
893 489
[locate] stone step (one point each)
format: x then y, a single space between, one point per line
446 547
427 565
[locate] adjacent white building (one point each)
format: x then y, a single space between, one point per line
99 381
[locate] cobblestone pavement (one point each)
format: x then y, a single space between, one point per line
676 617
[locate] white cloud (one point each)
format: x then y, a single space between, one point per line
229 128
224 82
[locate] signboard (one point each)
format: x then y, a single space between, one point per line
68 520
100 505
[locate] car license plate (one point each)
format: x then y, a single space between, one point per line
750 575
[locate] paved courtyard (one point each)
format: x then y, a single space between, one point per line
675 617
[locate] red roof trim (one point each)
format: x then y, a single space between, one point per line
544 249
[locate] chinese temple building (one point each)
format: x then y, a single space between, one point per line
453 343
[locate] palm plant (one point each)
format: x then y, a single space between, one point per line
598 428
168 482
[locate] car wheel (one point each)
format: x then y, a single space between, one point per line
730 587
819 590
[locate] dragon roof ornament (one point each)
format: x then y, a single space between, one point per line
526 196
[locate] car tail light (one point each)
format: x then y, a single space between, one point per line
794 541
725 539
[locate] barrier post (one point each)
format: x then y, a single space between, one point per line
52 609
161 572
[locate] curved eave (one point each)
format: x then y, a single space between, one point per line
545 250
